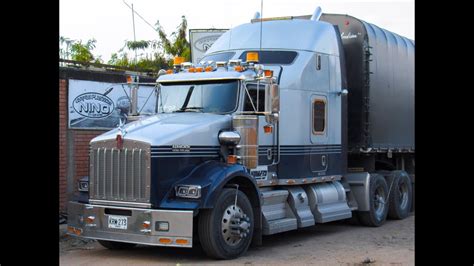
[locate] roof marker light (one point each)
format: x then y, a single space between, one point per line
268 73
178 60
252 57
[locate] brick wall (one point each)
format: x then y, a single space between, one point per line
73 149
62 142
74 143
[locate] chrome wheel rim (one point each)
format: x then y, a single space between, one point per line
403 195
235 225
379 202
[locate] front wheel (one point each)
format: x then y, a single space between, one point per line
225 232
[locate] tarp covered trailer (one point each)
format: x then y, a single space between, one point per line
379 67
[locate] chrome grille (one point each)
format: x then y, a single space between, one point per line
120 175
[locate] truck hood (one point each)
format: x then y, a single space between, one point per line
186 128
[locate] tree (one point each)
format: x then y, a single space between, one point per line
78 51
178 46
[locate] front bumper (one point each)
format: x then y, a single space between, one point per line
179 233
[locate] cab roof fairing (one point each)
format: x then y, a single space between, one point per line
313 36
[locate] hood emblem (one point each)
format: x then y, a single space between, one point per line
119 141
119 137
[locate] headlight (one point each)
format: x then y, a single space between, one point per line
83 186
188 191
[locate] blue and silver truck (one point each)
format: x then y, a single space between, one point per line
286 123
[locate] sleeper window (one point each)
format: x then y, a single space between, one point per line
319 116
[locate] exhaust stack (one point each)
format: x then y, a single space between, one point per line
317 14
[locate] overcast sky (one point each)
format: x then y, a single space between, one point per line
110 21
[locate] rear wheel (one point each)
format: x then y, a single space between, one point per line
116 245
401 195
378 193
226 231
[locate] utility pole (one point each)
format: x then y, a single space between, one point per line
134 37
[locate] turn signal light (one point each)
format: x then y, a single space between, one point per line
165 240
232 159
252 57
89 219
268 129
146 225
73 230
182 241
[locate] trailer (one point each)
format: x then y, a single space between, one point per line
285 123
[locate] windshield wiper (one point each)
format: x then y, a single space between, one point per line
190 108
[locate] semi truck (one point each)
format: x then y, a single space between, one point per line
285 123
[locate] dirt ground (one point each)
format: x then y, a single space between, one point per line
337 243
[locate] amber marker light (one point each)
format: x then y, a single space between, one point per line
178 60
268 73
165 240
232 159
182 241
252 57
268 129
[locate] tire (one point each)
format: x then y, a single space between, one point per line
213 223
378 208
401 195
116 245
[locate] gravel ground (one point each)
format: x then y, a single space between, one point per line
337 243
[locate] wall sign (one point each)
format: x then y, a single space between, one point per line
201 40
101 105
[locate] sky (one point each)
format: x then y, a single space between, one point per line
110 21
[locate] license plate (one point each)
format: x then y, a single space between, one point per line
117 222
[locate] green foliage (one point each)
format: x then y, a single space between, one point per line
151 54
76 50
137 45
178 45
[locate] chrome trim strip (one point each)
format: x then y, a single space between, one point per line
121 203
297 181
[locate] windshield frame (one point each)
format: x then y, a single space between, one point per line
193 82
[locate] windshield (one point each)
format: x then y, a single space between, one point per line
201 96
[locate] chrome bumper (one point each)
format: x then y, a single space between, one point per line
179 234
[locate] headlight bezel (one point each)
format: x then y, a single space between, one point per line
83 185
183 191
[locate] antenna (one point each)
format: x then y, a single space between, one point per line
261 24
230 37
